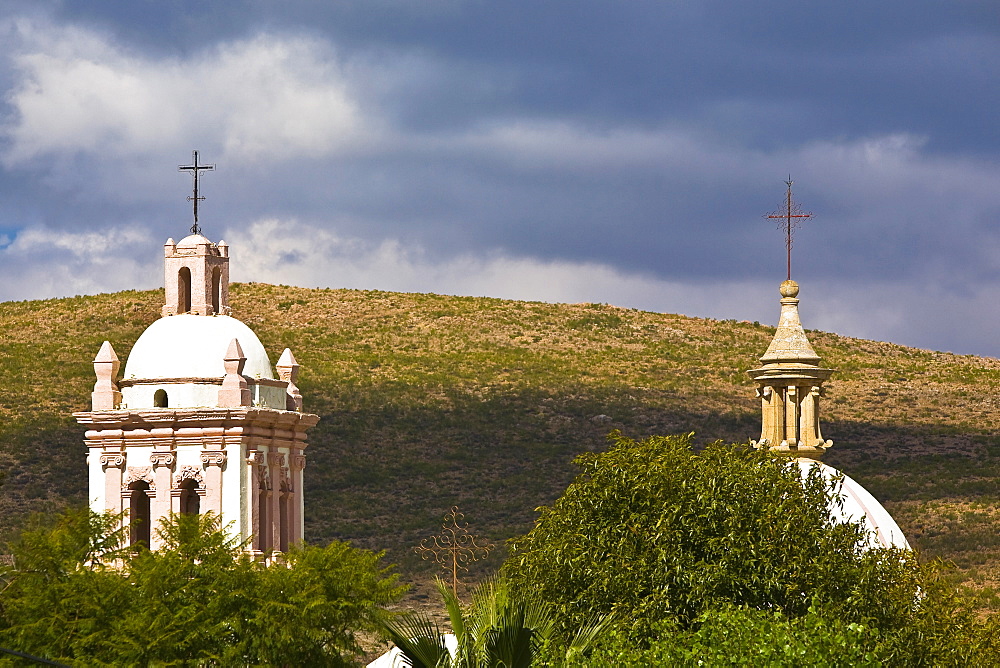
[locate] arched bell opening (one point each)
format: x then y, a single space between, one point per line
216 289
190 501
138 514
184 290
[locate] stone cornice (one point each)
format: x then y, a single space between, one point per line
270 382
789 372
173 419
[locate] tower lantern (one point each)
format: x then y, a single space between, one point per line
789 386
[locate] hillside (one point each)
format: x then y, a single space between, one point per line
428 401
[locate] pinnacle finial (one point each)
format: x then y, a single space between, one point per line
789 288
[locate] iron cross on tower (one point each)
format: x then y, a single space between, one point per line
196 169
790 220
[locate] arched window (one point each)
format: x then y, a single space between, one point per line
138 513
160 399
216 289
184 290
190 500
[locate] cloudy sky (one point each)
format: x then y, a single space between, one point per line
576 150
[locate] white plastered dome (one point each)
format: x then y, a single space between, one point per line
193 346
860 507
193 241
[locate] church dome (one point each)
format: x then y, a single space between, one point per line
193 346
193 241
860 507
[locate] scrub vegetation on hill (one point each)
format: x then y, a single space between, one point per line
429 401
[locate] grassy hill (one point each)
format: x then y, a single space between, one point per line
430 401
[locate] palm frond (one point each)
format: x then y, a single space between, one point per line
419 639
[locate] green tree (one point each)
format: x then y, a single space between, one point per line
739 636
659 534
74 595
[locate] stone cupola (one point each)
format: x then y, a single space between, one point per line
789 385
196 276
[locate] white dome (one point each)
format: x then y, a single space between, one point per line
861 507
193 241
193 346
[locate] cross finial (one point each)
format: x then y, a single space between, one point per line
790 212
196 169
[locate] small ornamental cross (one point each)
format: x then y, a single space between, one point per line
454 548
789 219
196 169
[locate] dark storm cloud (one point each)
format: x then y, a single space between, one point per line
830 68
648 137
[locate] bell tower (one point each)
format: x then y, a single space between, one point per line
196 276
198 421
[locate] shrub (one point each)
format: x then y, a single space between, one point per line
74 595
657 534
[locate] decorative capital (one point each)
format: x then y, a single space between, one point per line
161 459
275 459
112 459
298 462
213 457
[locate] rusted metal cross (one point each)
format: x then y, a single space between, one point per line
196 169
790 215
454 548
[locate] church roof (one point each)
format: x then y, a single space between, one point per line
859 506
194 346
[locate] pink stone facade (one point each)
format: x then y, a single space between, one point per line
245 465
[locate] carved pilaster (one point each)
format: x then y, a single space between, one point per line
112 463
275 462
297 462
213 461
